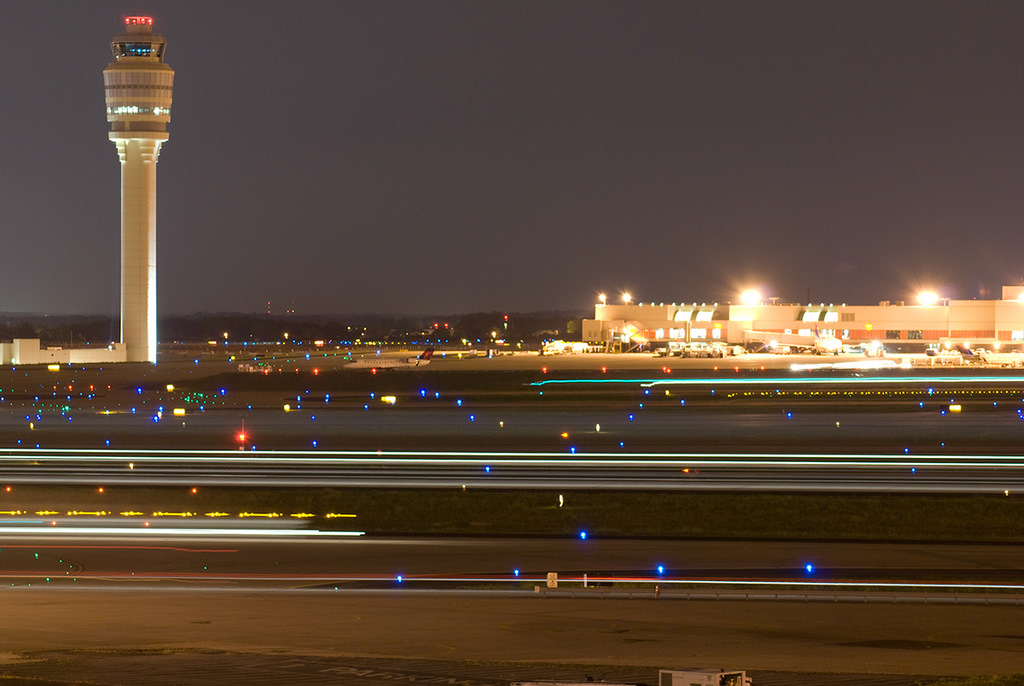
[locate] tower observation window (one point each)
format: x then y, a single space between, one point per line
147 49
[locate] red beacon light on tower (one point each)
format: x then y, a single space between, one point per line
138 21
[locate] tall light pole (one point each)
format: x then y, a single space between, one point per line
138 88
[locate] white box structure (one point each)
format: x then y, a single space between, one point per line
138 87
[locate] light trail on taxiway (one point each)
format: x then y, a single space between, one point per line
240 558
736 471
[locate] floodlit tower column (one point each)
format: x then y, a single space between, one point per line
138 92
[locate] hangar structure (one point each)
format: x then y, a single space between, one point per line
895 325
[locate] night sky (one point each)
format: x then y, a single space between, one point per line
446 157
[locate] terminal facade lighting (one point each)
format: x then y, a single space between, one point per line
138 86
932 320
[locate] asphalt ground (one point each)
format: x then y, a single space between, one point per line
133 636
273 638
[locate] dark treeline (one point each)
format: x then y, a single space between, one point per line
66 331
480 327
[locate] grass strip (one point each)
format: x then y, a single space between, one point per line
967 518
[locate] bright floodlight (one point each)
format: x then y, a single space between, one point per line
750 297
928 297
626 297
603 298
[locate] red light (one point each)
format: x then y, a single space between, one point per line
138 21
241 438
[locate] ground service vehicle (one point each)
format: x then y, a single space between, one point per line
702 677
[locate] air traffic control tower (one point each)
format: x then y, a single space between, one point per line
138 91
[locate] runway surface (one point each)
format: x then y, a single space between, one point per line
571 470
242 554
283 604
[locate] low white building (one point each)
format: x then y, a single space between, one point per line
28 351
989 323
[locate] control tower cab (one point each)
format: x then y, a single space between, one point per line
138 82
138 88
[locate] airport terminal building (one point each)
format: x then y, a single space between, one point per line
897 326
29 351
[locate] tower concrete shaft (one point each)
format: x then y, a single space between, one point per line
138 86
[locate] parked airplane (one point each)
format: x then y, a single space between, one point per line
826 345
811 343
420 360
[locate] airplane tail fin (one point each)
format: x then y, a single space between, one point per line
426 354
964 350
